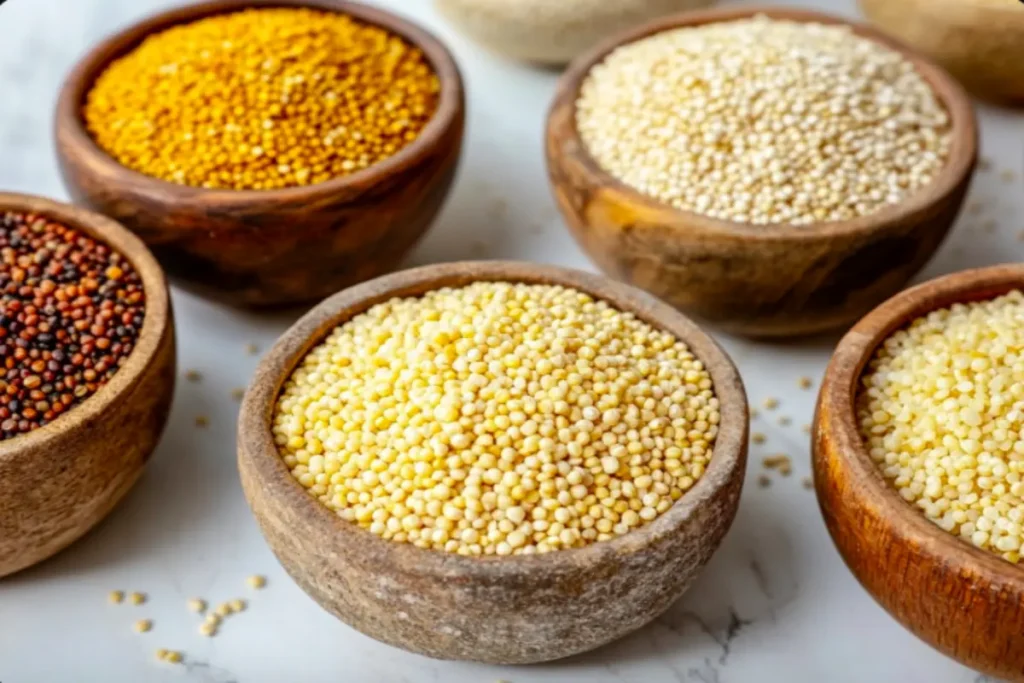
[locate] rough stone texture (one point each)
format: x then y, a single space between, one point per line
966 602
271 247
768 281
504 610
60 480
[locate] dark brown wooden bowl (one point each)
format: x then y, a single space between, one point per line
60 480
966 602
504 610
767 281
270 247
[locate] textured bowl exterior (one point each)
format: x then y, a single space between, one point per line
552 33
978 42
511 610
965 602
59 481
762 281
273 247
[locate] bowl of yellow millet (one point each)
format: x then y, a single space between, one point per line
270 153
494 461
919 462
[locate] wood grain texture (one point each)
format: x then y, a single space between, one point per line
769 281
270 247
60 480
503 610
966 602
981 42
551 33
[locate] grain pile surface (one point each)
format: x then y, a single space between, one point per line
942 411
498 419
764 122
262 99
71 310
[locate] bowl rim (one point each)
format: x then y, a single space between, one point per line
844 374
69 122
561 122
155 323
258 453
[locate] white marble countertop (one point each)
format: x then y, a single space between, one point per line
775 604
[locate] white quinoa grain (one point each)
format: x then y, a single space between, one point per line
764 122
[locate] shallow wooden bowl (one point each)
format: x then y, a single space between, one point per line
966 602
60 480
506 610
768 281
551 33
270 247
978 41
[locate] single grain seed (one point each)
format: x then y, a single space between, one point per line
765 122
193 375
116 597
764 481
137 598
771 403
207 629
256 581
805 383
237 605
806 429
262 99
754 413
506 419
758 438
143 625
807 483
202 421
197 605
941 410
251 349
224 609
238 393
785 421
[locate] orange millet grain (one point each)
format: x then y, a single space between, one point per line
262 99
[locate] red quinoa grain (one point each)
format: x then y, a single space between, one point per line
71 309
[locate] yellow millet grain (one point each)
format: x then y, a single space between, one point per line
262 99
941 409
764 122
498 419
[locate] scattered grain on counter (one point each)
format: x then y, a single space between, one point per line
169 656
785 421
805 382
237 605
498 419
807 483
764 481
754 414
197 605
115 597
193 376
806 429
256 581
780 463
71 309
143 625
224 609
137 598
262 99
238 393
763 121
942 411
251 349
202 421
208 629
758 438
771 403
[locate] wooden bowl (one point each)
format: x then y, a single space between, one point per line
768 281
270 247
551 33
60 480
966 602
978 41
506 610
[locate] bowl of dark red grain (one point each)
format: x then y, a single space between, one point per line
919 462
770 171
494 461
269 152
87 346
